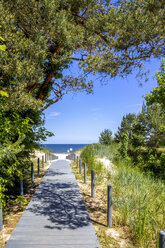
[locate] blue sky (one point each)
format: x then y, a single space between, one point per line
79 118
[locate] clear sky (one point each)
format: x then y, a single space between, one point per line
79 118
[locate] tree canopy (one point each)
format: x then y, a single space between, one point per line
105 137
157 95
39 40
141 136
44 37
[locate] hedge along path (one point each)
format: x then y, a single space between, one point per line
56 216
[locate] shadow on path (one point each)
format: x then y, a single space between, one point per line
56 216
60 202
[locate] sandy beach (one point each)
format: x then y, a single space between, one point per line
62 156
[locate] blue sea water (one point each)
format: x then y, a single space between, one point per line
63 148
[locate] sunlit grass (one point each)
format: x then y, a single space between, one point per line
141 202
138 197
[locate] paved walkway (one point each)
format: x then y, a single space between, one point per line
56 216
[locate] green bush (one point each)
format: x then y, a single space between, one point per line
88 157
106 137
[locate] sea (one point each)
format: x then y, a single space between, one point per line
62 148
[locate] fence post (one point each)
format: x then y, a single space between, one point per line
38 166
1 217
162 239
85 173
92 183
109 206
45 157
80 166
42 161
77 161
21 184
32 172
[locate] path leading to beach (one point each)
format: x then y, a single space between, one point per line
56 217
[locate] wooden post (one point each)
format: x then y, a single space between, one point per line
45 158
162 239
109 206
21 185
42 161
80 166
85 173
38 166
32 172
77 161
92 183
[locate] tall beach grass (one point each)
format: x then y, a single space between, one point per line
141 202
138 198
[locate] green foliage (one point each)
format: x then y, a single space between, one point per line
88 157
13 130
108 151
158 93
40 39
20 134
125 126
162 159
140 148
3 93
105 137
138 197
124 146
22 201
141 135
2 47
43 38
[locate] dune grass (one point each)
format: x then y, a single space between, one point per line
138 197
141 202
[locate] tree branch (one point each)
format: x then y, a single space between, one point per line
52 102
55 52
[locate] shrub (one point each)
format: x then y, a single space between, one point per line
87 155
105 137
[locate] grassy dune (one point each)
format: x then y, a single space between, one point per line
138 198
